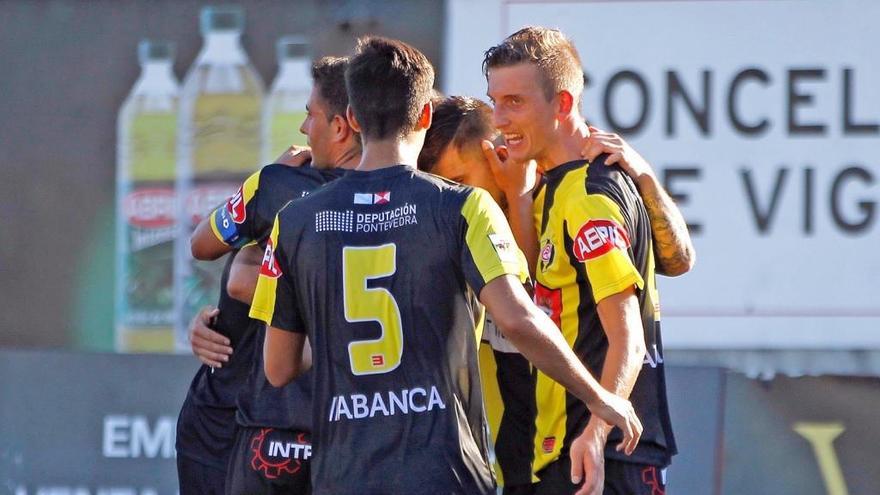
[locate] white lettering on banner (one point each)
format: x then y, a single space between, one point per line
144 238
391 403
133 437
767 140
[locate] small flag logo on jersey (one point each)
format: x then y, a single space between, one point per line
548 444
377 360
379 198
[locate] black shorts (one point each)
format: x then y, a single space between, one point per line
269 461
621 478
195 478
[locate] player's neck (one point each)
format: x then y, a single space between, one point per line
386 153
349 158
569 141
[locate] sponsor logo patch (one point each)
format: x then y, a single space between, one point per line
275 458
504 246
270 267
550 302
381 221
598 237
379 198
548 444
236 208
334 221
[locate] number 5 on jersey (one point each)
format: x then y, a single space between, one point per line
363 304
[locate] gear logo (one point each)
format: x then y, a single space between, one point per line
271 469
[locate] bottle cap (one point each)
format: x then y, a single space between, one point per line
293 46
154 50
222 18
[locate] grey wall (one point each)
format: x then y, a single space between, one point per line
66 68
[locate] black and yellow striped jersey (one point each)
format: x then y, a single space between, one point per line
380 270
595 241
509 396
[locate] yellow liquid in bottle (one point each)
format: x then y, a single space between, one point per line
284 131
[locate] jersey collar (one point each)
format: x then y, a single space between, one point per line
380 173
556 173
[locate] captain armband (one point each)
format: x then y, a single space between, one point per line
226 229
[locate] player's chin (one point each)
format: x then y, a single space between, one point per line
519 151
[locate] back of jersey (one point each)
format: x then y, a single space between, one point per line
376 268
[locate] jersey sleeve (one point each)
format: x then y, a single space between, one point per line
233 222
488 248
600 241
274 299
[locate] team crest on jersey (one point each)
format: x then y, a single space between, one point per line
379 198
548 252
236 208
598 237
270 267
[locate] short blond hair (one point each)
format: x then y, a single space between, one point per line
551 51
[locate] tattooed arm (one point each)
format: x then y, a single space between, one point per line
673 249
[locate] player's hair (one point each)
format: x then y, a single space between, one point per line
459 121
328 75
388 82
551 51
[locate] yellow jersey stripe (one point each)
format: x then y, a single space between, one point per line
263 305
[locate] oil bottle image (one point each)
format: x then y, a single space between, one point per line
146 219
285 107
218 147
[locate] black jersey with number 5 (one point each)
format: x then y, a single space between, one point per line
380 269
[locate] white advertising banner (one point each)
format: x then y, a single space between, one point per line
763 118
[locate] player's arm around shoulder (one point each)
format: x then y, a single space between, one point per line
244 273
226 227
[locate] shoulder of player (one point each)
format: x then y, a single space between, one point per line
299 210
608 180
448 192
275 171
440 182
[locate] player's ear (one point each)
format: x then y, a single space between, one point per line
352 121
425 118
565 102
341 129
